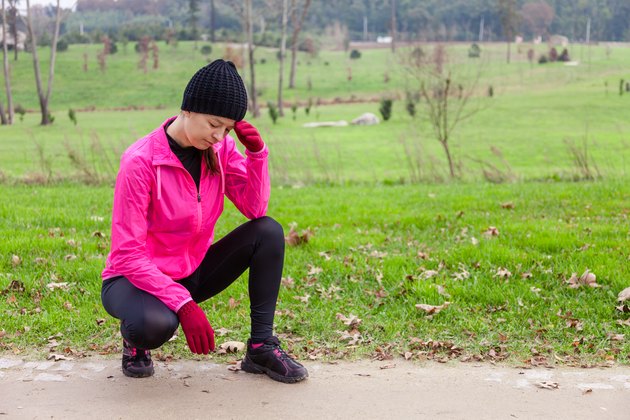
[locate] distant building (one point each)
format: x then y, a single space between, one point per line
384 39
21 40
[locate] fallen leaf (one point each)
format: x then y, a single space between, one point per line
312 270
442 291
233 303
100 321
431 309
587 391
235 367
15 260
352 321
70 257
390 366
586 279
428 274
325 255
62 285
503 273
625 323
294 239
67 305
616 337
526 275
491 231
98 234
287 282
233 346
474 241
507 205
423 255
303 299
57 357
547 385
222 331
624 295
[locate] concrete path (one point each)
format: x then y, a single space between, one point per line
96 388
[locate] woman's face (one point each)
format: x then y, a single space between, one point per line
204 130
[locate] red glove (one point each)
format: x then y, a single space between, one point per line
199 333
249 136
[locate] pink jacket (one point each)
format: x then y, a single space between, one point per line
161 227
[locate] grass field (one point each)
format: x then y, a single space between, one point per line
381 251
383 243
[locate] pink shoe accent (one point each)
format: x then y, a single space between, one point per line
256 345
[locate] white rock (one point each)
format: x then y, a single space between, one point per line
366 119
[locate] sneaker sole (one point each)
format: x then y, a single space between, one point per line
251 367
138 374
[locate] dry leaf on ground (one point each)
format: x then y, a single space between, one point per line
624 295
431 309
294 239
352 321
586 279
547 385
232 347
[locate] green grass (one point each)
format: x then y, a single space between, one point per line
373 236
351 185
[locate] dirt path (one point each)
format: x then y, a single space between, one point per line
95 388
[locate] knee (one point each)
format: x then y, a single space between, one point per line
151 331
269 229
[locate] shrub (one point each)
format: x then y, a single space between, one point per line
474 51
543 59
273 111
294 108
553 55
62 45
386 109
490 91
355 54
113 48
19 109
206 50
564 56
72 115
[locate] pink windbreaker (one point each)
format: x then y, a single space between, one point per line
161 227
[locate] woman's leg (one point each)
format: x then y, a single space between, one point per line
146 322
257 245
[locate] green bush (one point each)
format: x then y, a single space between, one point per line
206 50
474 51
19 109
273 111
72 115
386 109
62 45
355 54
543 59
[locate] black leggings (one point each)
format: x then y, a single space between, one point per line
147 323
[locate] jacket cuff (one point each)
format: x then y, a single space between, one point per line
183 302
262 153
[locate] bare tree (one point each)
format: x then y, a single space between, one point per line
297 27
43 97
393 23
509 21
538 17
7 75
283 50
249 28
13 19
213 21
445 93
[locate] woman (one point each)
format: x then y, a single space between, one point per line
168 196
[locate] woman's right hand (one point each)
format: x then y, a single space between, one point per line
198 331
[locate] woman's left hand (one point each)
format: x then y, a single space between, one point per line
249 136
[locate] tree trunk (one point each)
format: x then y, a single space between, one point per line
14 18
7 74
212 21
283 49
509 53
43 98
250 48
297 27
393 25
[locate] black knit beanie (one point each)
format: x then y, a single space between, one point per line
216 89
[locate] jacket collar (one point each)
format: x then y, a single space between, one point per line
162 153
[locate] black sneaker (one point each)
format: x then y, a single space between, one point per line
272 360
136 363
